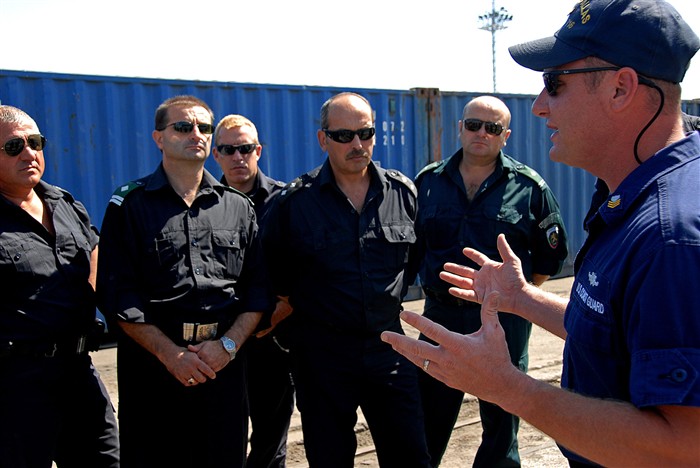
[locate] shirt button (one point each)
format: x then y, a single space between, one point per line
194 243
18 256
679 375
197 271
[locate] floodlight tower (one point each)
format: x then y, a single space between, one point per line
494 20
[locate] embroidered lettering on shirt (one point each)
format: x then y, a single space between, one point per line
590 302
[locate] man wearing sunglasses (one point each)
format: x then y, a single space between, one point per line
181 273
467 200
53 405
630 382
270 389
338 241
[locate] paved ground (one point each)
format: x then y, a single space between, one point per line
536 449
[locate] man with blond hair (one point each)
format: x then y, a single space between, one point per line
237 150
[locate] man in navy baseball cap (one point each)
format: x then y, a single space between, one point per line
647 35
630 381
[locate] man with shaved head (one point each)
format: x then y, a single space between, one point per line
467 200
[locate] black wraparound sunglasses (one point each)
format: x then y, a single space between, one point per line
473 125
551 78
346 136
229 150
187 127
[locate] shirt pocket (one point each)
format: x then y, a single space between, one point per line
440 225
507 216
24 258
73 250
399 238
590 320
165 251
228 249
493 219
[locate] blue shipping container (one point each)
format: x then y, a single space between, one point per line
99 131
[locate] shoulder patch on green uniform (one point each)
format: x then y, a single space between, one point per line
435 166
551 225
396 175
122 191
531 174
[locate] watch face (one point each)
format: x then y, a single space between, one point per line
229 344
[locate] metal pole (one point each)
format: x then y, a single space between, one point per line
493 21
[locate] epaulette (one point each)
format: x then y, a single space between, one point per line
66 194
228 188
292 187
121 192
435 166
530 173
398 176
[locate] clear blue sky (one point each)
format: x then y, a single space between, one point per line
366 43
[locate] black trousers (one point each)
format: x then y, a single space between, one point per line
271 401
55 409
441 404
335 374
163 423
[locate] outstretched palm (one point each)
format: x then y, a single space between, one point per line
474 285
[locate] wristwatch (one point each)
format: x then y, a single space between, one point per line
229 345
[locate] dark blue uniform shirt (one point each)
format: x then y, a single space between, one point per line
164 263
45 291
632 321
265 189
342 269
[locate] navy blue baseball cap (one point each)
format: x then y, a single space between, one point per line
647 35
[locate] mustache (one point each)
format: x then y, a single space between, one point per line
357 153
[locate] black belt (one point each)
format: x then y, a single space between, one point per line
446 298
71 347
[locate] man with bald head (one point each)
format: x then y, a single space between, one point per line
338 240
467 200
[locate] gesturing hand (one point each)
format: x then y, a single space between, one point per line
474 285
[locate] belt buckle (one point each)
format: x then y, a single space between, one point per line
199 331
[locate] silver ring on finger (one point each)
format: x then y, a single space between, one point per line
191 381
426 363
